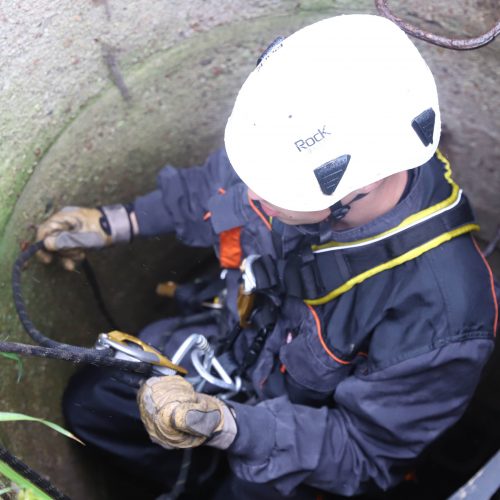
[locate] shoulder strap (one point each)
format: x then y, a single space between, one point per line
340 269
320 274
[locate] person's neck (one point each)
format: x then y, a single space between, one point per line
384 197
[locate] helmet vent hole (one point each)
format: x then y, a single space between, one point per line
329 174
423 124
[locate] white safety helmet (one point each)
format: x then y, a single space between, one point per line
336 106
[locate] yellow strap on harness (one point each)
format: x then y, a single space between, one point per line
412 254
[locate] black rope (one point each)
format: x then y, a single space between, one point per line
74 357
49 348
180 483
28 473
76 354
96 290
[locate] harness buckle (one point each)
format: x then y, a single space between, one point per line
131 348
248 275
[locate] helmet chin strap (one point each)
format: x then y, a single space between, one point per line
338 211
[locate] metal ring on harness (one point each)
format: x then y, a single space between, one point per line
204 360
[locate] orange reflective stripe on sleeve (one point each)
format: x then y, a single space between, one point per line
259 213
230 253
321 339
492 286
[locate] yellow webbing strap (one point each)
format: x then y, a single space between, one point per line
411 254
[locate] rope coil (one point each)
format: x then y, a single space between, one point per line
49 348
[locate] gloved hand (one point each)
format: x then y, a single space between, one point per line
74 229
176 416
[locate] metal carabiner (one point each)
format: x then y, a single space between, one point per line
131 348
205 362
208 367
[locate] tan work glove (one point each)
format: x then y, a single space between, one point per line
74 229
176 416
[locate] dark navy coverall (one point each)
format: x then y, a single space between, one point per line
349 393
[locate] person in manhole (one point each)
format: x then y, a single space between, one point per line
354 311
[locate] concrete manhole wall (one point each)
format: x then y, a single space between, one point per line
69 135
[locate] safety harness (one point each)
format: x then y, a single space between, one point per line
318 274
